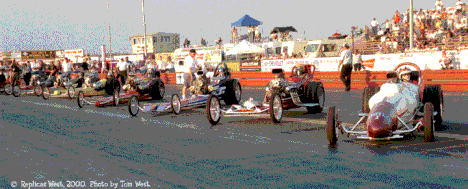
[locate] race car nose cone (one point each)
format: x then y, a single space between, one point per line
379 123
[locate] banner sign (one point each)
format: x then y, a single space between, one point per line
247 69
73 52
385 62
250 64
37 54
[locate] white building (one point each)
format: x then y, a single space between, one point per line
159 42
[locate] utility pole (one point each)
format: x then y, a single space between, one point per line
144 24
353 28
110 42
411 25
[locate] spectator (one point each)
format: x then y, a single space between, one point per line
357 61
388 26
438 6
458 27
257 34
285 55
450 21
459 7
274 36
234 35
27 73
203 42
219 42
16 73
169 65
366 32
446 62
374 25
159 63
396 17
151 65
395 45
300 55
186 43
251 33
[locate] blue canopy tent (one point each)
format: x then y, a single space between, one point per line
246 21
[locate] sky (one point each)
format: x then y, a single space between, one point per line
84 24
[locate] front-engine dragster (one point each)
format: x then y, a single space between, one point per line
221 85
400 107
298 90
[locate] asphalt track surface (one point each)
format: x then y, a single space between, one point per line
54 140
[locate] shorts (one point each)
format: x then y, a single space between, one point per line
66 74
187 80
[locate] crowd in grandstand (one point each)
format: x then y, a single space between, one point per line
431 27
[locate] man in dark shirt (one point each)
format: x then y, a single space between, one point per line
85 65
16 73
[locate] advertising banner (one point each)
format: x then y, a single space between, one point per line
386 62
73 53
37 54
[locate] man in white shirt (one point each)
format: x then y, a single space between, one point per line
67 68
190 65
357 61
439 5
122 68
374 25
346 59
161 64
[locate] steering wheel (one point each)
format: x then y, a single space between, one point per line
294 72
412 65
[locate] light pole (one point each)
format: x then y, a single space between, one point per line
110 43
353 28
144 24
411 24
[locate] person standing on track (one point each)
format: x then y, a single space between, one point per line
346 69
358 61
27 73
190 66
15 81
122 68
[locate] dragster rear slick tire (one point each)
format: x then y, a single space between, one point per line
428 122
331 127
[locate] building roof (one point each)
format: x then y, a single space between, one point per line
152 34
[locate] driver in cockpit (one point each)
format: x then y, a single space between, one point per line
300 71
406 75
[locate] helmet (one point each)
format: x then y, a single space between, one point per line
405 74
300 69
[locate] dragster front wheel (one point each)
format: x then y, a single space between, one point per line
133 106
276 108
80 99
213 110
175 104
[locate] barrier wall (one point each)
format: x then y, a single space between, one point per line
451 80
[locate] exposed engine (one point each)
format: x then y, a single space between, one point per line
200 85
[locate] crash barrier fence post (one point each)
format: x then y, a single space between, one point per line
450 80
